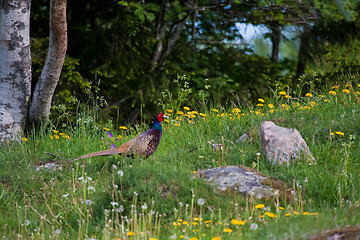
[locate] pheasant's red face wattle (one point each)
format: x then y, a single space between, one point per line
160 117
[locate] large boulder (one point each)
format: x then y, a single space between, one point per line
283 145
246 181
345 233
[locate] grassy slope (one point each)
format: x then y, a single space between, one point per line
95 201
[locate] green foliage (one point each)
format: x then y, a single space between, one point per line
113 42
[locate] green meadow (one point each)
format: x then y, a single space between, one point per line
161 197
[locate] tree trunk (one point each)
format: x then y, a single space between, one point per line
275 38
161 28
303 55
15 67
45 87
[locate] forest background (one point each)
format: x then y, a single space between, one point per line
131 51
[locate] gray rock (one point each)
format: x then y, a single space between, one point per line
51 166
246 181
243 138
283 144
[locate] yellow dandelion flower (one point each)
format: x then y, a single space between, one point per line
262 215
240 223
194 113
308 95
287 96
326 100
261 100
176 224
259 105
358 85
55 131
24 139
340 133
271 105
282 93
180 220
228 230
185 223
287 214
358 93
202 114
296 212
234 221
130 233
123 127
236 110
214 110
216 238
186 108
194 223
193 238
269 214
51 137
281 208
56 137
180 112
207 221
258 206
347 91
181 236
153 239
177 124
322 95
332 93
306 213
106 129
335 87
314 214
169 110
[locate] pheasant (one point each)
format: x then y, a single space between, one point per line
142 145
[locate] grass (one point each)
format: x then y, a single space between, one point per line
160 197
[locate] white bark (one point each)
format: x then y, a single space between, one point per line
45 87
15 67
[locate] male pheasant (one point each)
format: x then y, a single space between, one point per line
142 145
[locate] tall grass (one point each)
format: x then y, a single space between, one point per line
161 197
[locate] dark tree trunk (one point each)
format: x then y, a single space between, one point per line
275 38
303 54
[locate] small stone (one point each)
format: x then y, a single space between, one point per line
243 138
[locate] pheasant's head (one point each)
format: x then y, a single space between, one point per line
160 117
157 121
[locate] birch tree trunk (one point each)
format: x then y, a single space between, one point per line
44 90
15 67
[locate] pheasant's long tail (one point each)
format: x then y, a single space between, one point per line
101 153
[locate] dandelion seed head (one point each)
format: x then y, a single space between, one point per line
254 226
201 201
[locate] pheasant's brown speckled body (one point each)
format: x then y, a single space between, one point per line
142 145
